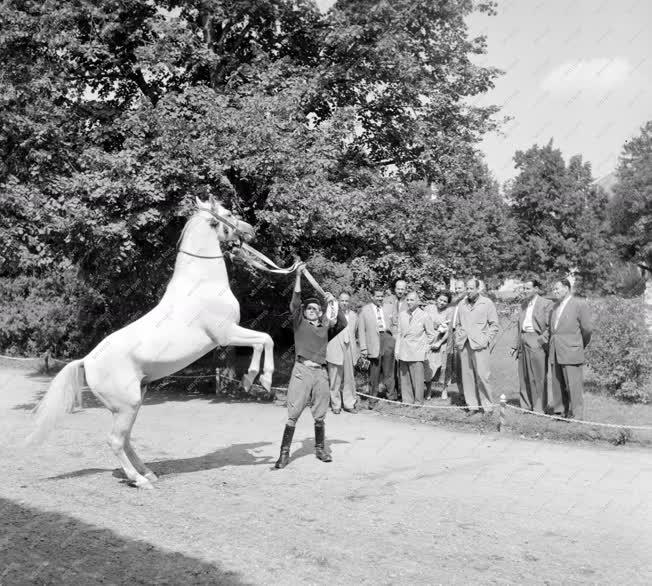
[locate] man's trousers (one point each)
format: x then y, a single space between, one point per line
381 369
532 373
474 377
308 387
342 376
567 388
412 381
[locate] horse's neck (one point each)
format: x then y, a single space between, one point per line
199 239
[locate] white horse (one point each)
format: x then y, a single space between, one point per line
197 313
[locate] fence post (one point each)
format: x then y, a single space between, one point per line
503 408
218 381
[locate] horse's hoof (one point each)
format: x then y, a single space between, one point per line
144 484
266 382
151 476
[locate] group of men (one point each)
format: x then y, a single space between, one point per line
409 346
550 343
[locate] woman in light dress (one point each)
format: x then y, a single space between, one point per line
435 366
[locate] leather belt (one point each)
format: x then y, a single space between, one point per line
309 363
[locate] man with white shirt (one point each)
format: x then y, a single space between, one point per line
531 345
377 342
570 333
341 355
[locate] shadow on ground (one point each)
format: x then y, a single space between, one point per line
49 548
234 455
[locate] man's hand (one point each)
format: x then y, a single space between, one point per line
330 298
513 352
300 268
364 353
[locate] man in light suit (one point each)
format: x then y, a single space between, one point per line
377 343
416 336
531 345
476 328
570 333
341 355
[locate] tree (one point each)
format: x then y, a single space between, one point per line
559 214
631 208
125 111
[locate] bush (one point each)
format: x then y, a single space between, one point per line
43 313
620 353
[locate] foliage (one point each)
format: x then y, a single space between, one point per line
631 208
326 131
620 353
559 214
51 313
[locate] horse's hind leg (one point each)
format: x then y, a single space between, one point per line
123 421
140 466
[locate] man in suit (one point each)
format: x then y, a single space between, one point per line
377 343
452 373
341 355
476 328
416 335
394 305
570 333
531 345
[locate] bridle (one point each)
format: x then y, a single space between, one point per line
220 219
254 257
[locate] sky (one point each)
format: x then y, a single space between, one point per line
575 71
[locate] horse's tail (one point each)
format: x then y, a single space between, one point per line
58 400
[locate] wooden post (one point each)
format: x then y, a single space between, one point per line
503 408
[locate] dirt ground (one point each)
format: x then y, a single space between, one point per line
402 503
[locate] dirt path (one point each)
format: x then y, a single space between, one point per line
402 503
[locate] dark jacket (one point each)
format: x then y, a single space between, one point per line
540 322
573 333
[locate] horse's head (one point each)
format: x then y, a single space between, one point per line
227 226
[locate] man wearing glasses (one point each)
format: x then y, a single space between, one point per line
309 379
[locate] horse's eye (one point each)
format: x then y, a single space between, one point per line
214 223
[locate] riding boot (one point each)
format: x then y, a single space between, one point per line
284 458
320 450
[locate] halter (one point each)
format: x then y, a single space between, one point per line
219 219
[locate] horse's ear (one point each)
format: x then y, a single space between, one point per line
212 201
198 202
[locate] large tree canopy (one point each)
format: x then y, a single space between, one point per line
346 137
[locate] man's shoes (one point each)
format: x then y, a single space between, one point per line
284 458
320 438
354 410
337 411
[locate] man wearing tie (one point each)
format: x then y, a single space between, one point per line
570 333
416 335
341 355
530 346
377 343
394 305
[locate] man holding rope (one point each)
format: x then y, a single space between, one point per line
309 379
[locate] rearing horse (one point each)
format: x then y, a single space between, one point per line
197 313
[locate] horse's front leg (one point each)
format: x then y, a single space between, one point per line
259 341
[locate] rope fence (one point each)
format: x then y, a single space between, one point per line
219 377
